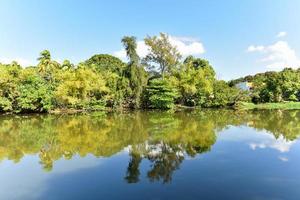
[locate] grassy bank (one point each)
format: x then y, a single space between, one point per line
269 106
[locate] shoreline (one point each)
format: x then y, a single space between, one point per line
268 106
178 108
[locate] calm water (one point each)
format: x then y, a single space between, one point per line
211 154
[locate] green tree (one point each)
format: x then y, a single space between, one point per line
105 62
113 70
162 55
194 80
81 89
35 94
67 65
46 66
223 95
44 61
9 81
160 94
135 71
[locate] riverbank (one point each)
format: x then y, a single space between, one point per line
177 108
268 106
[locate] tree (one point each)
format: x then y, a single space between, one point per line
130 45
222 95
162 55
135 71
9 78
194 81
113 70
160 95
35 94
81 89
46 66
67 65
44 61
290 84
105 62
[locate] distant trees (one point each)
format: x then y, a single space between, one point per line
274 86
160 80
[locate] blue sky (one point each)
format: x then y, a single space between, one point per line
237 37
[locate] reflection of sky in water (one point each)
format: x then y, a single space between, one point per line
259 140
242 163
27 180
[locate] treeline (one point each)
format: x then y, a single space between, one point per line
273 86
158 81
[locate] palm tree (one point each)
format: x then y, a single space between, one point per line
44 61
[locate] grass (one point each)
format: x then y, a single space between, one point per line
269 106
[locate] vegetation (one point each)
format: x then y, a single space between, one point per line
160 80
273 87
269 106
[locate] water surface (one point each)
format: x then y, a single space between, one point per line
208 154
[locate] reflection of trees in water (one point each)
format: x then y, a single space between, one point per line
133 171
164 159
171 135
164 163
279 123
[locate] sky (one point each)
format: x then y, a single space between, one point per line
237 37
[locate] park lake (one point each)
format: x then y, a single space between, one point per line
195 154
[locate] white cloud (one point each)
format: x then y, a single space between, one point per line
280 144
277 56
21 61
281 34
185 45
283 158
253 48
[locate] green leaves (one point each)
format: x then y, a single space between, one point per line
35 94
105 62
162 56
82 88
135 72
274 86
106 81
5 104
160 95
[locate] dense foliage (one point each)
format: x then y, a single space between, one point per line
273 86
160 80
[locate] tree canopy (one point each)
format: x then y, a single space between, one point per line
160 80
